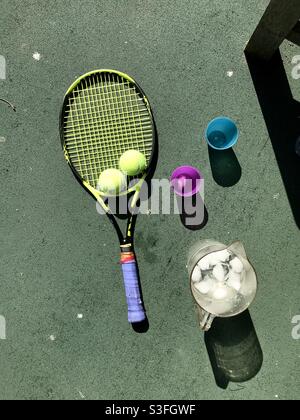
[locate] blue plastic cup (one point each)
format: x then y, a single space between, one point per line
222 133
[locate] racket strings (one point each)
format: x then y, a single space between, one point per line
105 116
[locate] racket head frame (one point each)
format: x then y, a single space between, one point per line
99 195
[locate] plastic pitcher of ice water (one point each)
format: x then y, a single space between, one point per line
223 282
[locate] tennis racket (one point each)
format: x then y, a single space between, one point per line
104 114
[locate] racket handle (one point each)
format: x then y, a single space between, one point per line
136 312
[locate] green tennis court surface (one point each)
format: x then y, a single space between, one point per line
61 291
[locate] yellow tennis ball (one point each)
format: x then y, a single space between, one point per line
112 181
133 162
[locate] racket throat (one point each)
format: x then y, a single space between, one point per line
126 247
127 253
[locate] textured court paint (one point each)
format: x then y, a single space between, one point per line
180 54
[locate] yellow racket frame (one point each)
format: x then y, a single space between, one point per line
99 196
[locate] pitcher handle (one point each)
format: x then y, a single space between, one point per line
205 319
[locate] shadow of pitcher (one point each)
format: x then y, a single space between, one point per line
234 350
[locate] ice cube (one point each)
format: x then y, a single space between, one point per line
222 256
224 307
196 276
225 268
203 287
221 292
218 272
234 281
236 265
206 286
213 259
204 263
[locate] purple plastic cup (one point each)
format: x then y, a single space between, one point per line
186 181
